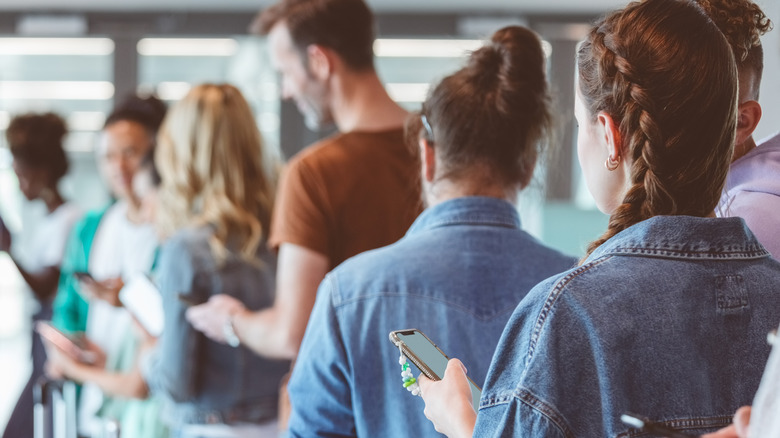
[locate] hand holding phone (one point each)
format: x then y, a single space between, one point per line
83 276
428 358
74 346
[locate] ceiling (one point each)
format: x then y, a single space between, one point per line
521 6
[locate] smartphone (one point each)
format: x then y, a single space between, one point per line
73 345
83 276
645 425
143 300
187 300
428 358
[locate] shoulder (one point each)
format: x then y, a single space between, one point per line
87 225
371 272
320 151
351 146
187 245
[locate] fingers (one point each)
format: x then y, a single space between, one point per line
453 365
742 421
729 432
424 383
208 319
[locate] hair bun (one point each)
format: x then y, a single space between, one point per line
514 63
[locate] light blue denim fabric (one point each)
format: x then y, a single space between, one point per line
457 275
668 319
207 382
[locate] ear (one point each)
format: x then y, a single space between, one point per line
320 62
610 135
749 114
428 159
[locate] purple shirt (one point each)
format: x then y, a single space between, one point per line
752 192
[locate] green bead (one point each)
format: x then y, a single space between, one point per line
410 382
405 367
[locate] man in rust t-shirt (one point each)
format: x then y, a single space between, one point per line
355 191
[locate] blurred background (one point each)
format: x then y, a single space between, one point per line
77 57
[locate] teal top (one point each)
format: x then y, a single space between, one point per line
70 307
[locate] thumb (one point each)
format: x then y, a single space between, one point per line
742 421
455 366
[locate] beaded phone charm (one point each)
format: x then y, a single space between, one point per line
410 383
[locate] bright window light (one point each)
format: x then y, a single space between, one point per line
56 46
187 47
172 91
422 48
76 121
410 93
56 90
86 120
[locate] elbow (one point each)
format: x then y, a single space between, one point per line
289 346
140 390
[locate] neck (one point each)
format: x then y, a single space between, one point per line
741 149
361 103
134 210
51 197
445 190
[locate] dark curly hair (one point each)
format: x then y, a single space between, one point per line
36 140
743 23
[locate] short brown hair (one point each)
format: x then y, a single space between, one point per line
344 26
743 23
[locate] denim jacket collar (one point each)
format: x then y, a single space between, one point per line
471 210
685 237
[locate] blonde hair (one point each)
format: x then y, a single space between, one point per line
215 170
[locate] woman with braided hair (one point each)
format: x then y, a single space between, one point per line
667 315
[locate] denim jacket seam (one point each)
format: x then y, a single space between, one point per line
552 299
545 409
466 309
710 254
494 221
682 424
335 295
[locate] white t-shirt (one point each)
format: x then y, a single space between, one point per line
120 249
47 245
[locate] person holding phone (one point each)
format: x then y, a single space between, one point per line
111 244
39 162
126 395
667 314
214 208
461 267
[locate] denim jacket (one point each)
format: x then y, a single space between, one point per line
457 275
207 382
668 319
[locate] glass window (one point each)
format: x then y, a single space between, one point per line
171 66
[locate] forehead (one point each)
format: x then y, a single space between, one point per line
123 134
281 46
